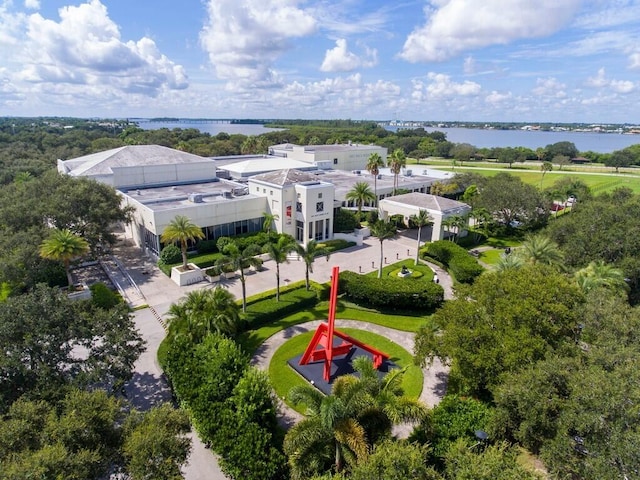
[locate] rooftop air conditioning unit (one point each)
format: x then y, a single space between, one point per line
227 194
379 176
195 197
408 173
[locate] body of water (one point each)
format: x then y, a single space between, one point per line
211 128
584 141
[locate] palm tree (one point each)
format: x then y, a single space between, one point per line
250 145
600 274
509 262
397 160
182 230
383 231
203 312
278 252
309 254
330 435
422 219
544 168
481 218
360 193
373 166
237 259
269 219
63 245
540 249
342 427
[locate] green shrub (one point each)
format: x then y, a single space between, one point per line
391 293
372 216
207 246
336 244
103 297
170 254
453 418
265 309
460 264
345 221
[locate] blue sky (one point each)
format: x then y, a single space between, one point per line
468 60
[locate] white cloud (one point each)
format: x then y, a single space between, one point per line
32 4
602 81
634 61
340 59
550 87
244 37
495 97
455 26
598 81
85 48
441 85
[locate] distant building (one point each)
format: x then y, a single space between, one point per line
351 156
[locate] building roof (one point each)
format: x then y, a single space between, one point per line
101 163
428 202
326 148
286 177
265 163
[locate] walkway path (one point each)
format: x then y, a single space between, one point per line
143 283
434 382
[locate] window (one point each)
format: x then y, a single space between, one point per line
320 195
270 192
258 189
264 190
298 207
320 207
335 161
318 229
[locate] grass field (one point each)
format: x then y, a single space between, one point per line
283 377
598 179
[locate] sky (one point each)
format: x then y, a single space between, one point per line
440 60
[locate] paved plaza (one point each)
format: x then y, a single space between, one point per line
142 283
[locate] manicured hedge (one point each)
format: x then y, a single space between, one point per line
460 264
265 309
396 294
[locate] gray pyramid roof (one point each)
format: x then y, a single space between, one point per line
101 163
290 176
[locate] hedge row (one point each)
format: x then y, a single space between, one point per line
460 264
264 309
391 293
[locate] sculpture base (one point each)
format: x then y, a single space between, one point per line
313 371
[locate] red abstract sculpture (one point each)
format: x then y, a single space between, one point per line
321 346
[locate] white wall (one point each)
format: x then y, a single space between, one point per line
163 174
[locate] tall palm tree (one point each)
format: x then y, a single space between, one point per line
203 312
360 193
182 230
544 168
374 164
540 249
240 260
269 219
309 254
278 252
383 230
600 274
63 245
396 161
422 219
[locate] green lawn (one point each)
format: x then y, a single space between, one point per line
491 257
283 377
598 183
251 340
392 270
